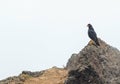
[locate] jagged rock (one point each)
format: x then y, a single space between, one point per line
50 76
33 74
85 76
12 80
21 78
94 65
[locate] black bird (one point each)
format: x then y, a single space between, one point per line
92 34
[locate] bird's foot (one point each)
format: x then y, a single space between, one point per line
91 42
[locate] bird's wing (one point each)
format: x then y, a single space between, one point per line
92 34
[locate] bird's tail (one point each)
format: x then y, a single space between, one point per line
97 43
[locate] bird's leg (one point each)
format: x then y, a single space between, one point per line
91 42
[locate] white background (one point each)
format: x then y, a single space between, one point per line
39 34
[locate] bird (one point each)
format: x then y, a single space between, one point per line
92 34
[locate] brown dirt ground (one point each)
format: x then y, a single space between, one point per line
50 76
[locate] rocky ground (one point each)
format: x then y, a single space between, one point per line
92 65
50 76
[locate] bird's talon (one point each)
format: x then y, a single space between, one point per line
91 42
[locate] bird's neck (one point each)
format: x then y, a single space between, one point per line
91 28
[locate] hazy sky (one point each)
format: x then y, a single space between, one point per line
39 34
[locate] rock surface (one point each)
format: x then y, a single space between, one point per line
94 65
50 76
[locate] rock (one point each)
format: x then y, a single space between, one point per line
86 76
50 76
25 75
12 80
33 74
94 65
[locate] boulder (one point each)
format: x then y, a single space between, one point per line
94 65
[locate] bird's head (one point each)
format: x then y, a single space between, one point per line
89 25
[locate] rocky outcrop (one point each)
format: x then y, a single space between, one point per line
50 76
86 76
33 74
25 75
94 65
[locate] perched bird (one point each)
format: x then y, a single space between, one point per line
92 34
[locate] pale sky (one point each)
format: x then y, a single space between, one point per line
39 34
